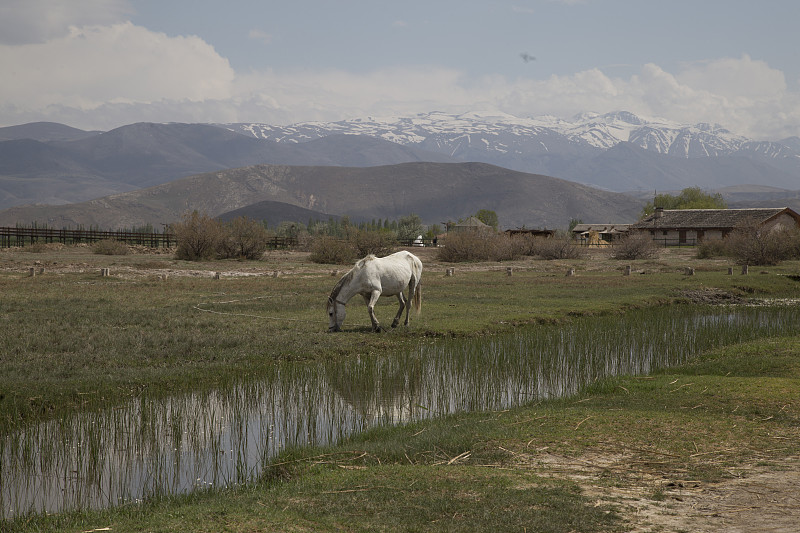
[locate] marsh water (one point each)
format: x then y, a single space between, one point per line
156 446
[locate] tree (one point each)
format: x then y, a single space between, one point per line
409 227
689 198
198 236
244 238
574 222
488 217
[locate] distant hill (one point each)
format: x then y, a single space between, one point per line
274 213
44 132
146 154
437 192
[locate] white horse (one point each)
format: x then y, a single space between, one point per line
373 277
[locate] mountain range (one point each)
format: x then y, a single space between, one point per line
54 164
615 151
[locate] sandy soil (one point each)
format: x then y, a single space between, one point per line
759 499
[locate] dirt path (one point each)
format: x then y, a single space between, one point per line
761 499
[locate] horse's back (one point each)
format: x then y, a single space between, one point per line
392 272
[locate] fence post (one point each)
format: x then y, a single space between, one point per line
744 270
627 270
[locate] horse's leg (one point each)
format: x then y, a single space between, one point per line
403 305
411 286
373 299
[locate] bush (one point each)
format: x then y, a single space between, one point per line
756 245
478 246
635 246
198 236
243 237
41 247
373 242
713 248
110 247
330 250
556 248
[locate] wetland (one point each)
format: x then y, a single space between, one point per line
164 380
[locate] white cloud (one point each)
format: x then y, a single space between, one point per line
103 76
735 78
37 21
93 66
260 36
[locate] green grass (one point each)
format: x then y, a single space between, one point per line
75 341
71 338
510 470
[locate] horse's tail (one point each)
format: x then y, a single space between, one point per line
416 302
416 284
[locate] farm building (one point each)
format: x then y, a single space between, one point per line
691 226
471 224
545 233
587 233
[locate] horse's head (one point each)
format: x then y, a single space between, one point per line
336 314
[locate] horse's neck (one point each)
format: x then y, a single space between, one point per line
348 289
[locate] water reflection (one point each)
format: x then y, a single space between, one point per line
158 446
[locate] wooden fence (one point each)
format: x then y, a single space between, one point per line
28 236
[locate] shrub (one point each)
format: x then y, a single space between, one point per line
478 246
198 236
635 246
556 248
41 247
243 237
756 245
373 242
330 250
110 247
713 248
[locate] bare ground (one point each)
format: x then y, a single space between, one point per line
755 498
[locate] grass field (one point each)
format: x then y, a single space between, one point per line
629 454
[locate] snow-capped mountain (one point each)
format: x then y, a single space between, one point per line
585 148
585 130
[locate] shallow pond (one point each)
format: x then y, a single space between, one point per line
156 446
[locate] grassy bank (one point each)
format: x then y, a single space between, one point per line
588 463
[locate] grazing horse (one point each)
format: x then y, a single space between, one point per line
372 277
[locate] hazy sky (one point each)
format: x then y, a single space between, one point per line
99 64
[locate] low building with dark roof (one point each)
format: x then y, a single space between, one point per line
691 226
471 224
546 233
591 233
